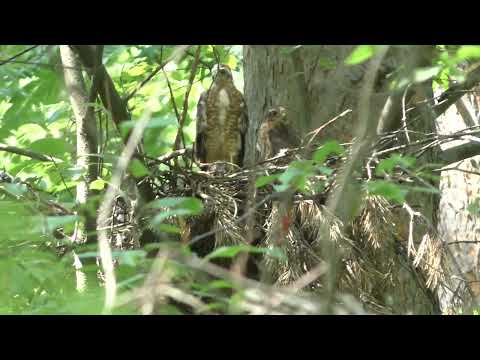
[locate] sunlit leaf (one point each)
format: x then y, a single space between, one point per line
361 54
468 52
98 184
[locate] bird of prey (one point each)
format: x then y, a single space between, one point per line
221 121
276 133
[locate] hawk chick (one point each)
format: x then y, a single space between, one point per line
276 133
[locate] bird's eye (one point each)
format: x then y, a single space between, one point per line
273 113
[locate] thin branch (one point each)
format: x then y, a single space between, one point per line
463 242
150 77
193 72
24 152
40 64
3 62
329 122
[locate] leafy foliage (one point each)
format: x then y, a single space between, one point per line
35 114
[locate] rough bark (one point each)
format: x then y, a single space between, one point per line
459 229
86 156
87 138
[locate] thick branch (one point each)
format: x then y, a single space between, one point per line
108 94
459 153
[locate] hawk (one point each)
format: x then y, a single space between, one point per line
276 133
221 121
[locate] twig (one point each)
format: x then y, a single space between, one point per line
3 62
412 213
172 97
463 242
404 117
193 72
61 177
329 122
147 79
39 64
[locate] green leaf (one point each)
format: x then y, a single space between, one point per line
137 169
98 184
220 284
168 228
361 54
291 177
388 165
265 180
331 147
468 52
388 190
232 251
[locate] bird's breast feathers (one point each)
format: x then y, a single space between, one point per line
223 104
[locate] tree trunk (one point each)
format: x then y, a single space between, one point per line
315 85
87 151
459 229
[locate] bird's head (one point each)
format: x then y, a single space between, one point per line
277 116
222 72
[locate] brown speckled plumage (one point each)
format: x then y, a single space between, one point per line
221 121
